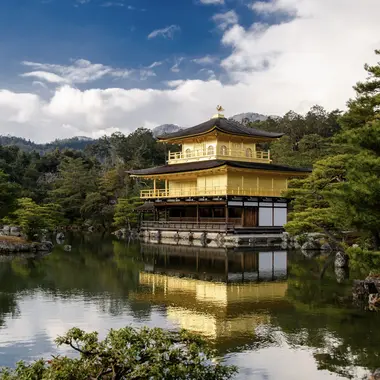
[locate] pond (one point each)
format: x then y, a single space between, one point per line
268 312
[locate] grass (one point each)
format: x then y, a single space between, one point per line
12 239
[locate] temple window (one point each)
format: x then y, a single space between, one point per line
210 150
223 150
248 152
188 153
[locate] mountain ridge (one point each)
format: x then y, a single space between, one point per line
80 142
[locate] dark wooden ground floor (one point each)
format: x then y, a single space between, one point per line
230 213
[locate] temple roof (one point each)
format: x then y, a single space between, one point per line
222 124
210 164
145 207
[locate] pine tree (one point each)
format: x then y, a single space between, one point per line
75 180
344 191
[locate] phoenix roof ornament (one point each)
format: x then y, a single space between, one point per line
219 115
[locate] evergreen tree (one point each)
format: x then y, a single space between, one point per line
75 180
354 195
32 218
8 194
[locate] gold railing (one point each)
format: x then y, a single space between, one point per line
221 154
212 191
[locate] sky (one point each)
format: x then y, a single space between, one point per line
94 67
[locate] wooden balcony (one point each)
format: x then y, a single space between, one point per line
221 154
212 191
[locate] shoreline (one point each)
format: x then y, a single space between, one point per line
14 244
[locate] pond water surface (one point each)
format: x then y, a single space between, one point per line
267 312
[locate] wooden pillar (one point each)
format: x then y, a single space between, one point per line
166 187
197 213
226 212
154 186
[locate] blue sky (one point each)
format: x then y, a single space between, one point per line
93 67
114 33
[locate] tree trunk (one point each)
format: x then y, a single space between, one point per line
376 240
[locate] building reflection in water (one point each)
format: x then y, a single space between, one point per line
222 294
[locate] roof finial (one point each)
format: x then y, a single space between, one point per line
220 109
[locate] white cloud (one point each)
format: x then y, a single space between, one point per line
175 68
206 60
109 4
155 64
146 73
46 76
209 73
314 58
80 71
207 2
167 32
39 83
265 7
224 20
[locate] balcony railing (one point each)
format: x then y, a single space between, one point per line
212 191
193 225
246 155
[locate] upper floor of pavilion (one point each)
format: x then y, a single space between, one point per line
219 139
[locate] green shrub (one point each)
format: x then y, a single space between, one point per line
127 354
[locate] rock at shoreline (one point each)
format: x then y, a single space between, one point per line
375 375
326 247
311 245
341 260
14 246
124 233
365 291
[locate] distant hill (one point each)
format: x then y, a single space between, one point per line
165 129
80 142
76 143
243 118
248 117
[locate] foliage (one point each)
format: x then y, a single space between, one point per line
8 194
128 354
307 138
86 184
32 218
318 203
125 214
75 180
364 261
96 208
344 190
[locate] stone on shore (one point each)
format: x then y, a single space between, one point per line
341 260
12 244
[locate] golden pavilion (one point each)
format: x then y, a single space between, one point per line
221 179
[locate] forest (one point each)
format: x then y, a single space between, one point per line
90 187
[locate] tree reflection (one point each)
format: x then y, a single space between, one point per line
324 319
101 270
